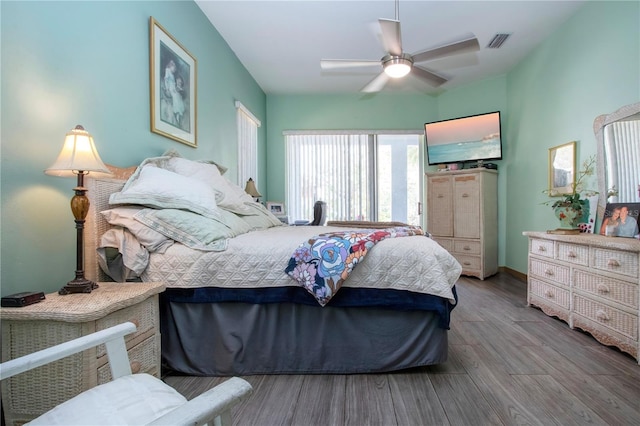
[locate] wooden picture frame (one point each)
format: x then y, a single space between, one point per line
276 209
562 169
173 84
621 220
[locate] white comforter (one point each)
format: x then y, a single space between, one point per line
259 258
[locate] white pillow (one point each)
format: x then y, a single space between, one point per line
152 240
160 188
228 195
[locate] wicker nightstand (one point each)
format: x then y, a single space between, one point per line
60 318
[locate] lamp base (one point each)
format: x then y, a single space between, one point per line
81 285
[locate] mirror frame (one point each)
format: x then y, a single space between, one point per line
598 128
558 191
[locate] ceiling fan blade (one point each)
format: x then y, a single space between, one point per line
332 64
376 84
391 36
467 44
429 76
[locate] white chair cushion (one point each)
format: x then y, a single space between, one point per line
130 400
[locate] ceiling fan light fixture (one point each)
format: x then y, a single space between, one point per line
397 66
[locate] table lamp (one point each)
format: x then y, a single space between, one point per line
78 157
250 188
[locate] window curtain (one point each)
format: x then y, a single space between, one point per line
335 168
247 145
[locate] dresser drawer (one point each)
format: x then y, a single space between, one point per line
559 274
549 293
617 291
467 247
446 243
541 247
615 319
618 261
573 253
469 263
144 315
143 358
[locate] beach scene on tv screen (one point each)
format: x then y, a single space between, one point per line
465 139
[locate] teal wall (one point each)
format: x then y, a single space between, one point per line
68 63
589 67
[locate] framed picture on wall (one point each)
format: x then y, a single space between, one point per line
621 220
173 78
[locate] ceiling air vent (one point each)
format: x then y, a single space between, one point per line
498 40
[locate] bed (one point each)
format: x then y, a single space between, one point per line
231 309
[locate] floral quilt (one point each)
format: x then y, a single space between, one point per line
323 263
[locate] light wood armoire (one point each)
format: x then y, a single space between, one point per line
462 216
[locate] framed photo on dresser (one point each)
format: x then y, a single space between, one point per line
621 220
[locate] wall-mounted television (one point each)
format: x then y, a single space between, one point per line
464 139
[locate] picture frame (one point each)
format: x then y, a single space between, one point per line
173 79
621 220
562 169
277 209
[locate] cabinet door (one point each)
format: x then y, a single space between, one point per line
439 206
466 204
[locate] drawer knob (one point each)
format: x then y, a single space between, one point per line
467 248
548 293
613 263
440 196
466 263
136 323
542 249
572 255
465 195
602 315
549 272
136 366
602 288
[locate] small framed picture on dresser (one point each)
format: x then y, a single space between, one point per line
621 220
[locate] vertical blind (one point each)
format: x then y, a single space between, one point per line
331 168
247 145
623 159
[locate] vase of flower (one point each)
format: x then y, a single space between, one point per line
570 215
571 209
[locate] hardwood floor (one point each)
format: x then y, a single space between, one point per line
508 364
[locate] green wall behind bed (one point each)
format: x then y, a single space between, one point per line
68 63
87 62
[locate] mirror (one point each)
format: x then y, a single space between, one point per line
562 166
618 153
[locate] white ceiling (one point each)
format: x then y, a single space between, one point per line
281 43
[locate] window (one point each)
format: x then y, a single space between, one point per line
360 175
247 145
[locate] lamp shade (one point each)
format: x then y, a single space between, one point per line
250 188
78 154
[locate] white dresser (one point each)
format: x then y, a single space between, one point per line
591 282
462 216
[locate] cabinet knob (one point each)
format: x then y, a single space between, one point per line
572 255
465 195
602 315
542 249
549 272
136 366
602 288
548 294
440 196
467 248
613 263
466 263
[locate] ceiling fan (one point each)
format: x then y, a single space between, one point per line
397 63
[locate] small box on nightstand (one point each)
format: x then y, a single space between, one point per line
19 300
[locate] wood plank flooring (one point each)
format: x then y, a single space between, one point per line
508 364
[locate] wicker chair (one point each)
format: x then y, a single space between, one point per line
129 398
